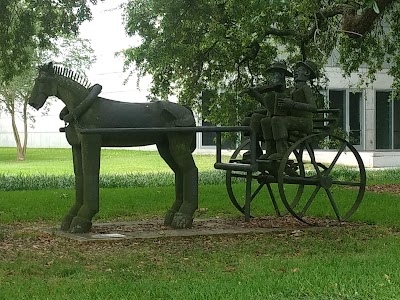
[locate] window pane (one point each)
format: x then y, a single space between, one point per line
396 124
383 119
355 118
337 99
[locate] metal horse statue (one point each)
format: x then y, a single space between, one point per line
86 112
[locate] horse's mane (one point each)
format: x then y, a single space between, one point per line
66 72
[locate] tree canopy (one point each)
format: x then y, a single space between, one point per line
29 24
223 46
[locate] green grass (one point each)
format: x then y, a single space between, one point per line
145 202
358 262
334 264
59 162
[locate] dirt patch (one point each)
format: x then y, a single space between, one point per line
154 228
384 188
269 222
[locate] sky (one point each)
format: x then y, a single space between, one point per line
107 35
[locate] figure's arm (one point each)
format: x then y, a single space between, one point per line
308 105
263 111
254 93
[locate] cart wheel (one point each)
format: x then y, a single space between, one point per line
321 175
236 196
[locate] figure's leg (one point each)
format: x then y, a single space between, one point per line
280 128
163 149
91 145
179 145
266 127
255 124
77 159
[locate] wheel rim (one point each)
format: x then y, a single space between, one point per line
324 178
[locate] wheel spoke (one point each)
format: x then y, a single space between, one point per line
312 197
256 191
299 157
335 208
341 149
272 196
312 157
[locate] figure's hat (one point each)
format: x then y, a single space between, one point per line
280 66
310 65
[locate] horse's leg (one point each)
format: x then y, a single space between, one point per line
77 159
179 146
91 145
163 149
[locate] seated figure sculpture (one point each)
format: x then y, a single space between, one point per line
267 95
298 108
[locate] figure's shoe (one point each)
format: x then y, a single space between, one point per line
264 157
275 156
247 154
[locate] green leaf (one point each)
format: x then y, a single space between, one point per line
375 7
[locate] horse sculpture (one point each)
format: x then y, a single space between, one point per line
174 147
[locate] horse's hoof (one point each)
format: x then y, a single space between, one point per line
169 216
80 225
66 222
182 221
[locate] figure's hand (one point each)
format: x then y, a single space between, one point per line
249 114
285 103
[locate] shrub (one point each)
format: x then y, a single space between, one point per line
46 181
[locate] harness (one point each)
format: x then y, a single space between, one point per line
82 107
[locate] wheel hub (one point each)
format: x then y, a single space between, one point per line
326 182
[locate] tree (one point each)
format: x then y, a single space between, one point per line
26 27
29 24
73 52
223 46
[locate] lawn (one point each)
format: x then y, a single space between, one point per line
357 262
59 161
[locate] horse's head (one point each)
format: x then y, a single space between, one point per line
45 86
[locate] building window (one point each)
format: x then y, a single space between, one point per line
387 121
350 103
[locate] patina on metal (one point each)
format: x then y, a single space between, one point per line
295 112
268 95
85 110
299 169
292 126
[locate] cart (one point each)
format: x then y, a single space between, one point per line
304 178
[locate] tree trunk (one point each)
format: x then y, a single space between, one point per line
25 116
20 152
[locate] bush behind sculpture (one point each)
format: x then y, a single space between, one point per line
48 181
